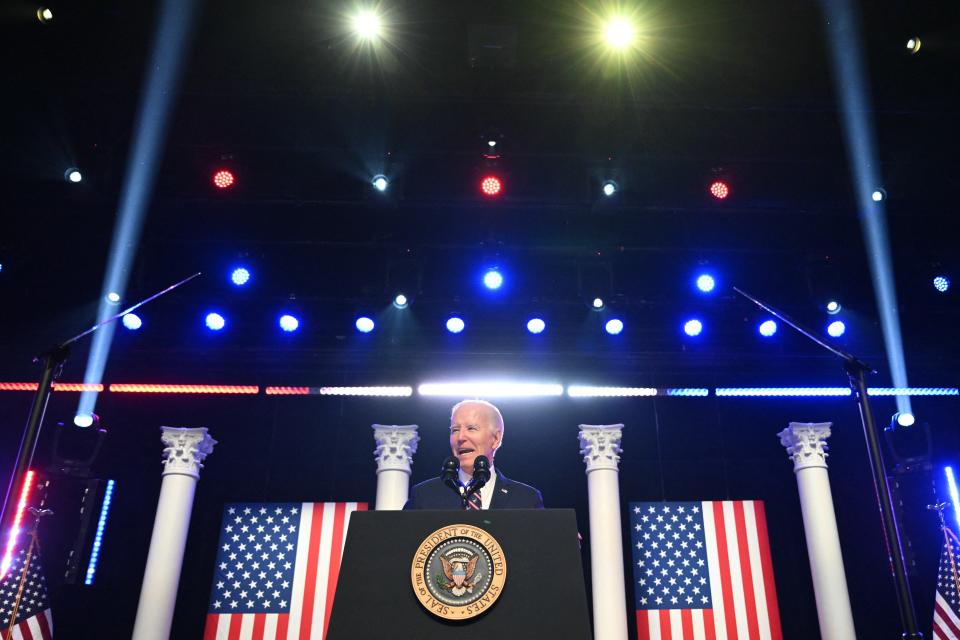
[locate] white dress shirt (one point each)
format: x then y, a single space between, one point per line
486 491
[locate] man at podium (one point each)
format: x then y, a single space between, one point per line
476 429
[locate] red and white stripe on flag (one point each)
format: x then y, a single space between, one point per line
946 621
741 602
316 551
37 627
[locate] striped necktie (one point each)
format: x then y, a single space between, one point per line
474 502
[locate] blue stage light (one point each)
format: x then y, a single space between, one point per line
400 301
609 188
614 326
240 276
492 279
836 328
941 283
132 321
113 297
455 325
706 283
693 327
73 175
598 304
536 325
98 538
365 324
902 418
767 328
833 307
215 321
289 323
83 420
380 183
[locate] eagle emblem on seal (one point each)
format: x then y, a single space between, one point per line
460 574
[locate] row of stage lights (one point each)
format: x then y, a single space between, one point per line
493 280
618 32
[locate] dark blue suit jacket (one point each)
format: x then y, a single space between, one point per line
507 494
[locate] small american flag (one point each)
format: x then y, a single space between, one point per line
34 621
946 608
276 570
702 570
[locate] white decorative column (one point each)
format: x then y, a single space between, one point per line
600 447
396 445
184 452
806 445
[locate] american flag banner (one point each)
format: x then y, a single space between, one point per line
33 618
946 608
276 570
702 570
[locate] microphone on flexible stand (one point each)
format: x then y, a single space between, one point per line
450 475
481 475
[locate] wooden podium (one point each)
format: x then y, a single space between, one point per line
543 595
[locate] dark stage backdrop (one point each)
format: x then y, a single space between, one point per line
321 448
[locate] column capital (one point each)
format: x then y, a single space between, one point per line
185 450
600 446
806 444
396 445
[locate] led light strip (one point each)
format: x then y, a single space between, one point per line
57 386
954 495
489 389
776 392
584 391
185 388
98 539
18 518
913 391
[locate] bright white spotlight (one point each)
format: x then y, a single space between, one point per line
609 188
833 307
113 297
73 175
706 283
365 324
767 328
597 304
367 25
836 328
400 302
904 418
132 321
941 283
240 276
619 33
289 323
536 325
455 325
215 321
83 419
614 326
878 195
380 183
913 45
44 15
693 327
492 279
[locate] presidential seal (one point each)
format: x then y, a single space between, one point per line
458 572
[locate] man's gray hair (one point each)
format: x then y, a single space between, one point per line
496 423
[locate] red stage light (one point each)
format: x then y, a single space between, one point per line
491 186
223 178
719 189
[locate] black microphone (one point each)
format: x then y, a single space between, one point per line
450 476
481 474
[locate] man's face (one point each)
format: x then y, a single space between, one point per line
472 433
